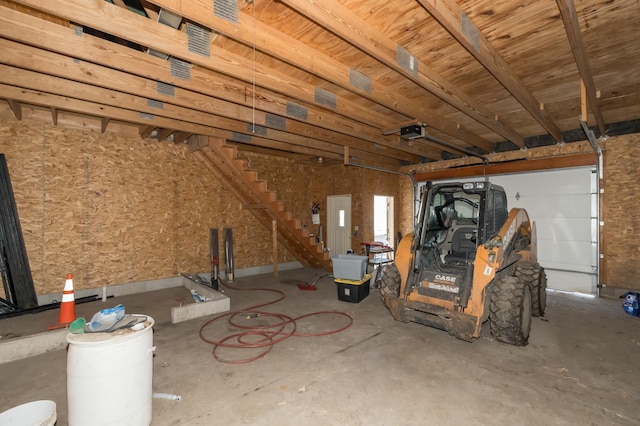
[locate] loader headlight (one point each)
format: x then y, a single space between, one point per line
470 186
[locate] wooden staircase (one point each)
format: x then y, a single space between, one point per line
223 161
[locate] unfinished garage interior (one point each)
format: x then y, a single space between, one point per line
204 163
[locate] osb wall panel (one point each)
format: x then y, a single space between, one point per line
116 209
300 185
621 231
210 205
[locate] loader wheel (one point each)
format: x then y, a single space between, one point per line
510 317
390 281
533 274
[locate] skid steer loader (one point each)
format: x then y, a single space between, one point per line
468 260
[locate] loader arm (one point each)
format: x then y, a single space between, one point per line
495 256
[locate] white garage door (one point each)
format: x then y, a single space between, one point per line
563 204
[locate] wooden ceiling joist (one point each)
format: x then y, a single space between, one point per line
307 79
44 62
450 15
158 36
359 33
572 27
252 32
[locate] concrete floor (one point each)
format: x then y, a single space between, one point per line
582 366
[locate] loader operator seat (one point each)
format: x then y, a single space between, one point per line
463 246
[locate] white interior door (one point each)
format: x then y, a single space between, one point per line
563 204
338 224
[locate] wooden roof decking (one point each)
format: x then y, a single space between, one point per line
331 74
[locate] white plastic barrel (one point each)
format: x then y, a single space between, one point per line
36 413
109 377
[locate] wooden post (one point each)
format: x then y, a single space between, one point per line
274 229
583 102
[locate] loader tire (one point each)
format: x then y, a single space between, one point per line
390 281
533 274
510 311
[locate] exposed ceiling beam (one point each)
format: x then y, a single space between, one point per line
31 30
146 123
455 20
284 151
107 17
572 27
574 160
181 117
190 107
253 32
349 26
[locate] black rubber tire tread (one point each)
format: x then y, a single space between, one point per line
533 274
390 281
510 317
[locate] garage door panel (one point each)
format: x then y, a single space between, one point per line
566 255
575 229
566 281
561 182
564 206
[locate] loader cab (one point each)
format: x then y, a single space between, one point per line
457 217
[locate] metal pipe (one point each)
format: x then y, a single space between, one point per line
380 169
228 248
457 148
214 257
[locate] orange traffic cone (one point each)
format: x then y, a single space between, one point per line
67 306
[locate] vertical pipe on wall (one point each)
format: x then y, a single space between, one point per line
228 251
274 237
